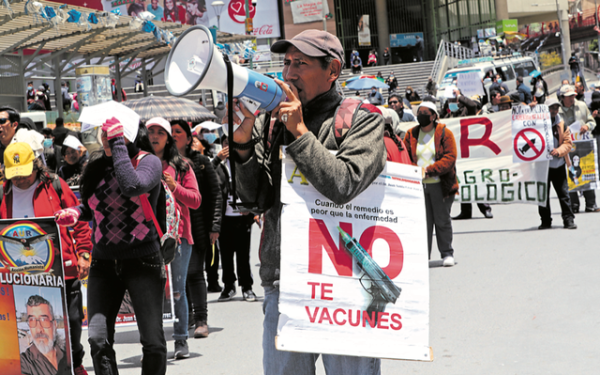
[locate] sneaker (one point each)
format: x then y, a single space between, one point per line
181 349
201 330
570 224
448 261
592 209
80 370
227 294
249 295
214 288
545 226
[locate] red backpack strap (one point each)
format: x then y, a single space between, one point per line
146 206
344 115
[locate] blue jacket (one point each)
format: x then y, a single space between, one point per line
524 93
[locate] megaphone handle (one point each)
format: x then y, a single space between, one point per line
232 144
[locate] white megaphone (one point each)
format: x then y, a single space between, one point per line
195 61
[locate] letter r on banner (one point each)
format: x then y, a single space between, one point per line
466 142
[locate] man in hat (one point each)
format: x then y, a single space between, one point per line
30 191
556 170
572 110
313 62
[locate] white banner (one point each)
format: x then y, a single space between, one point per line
304 11
470 84
485 168
532 133
364 31
323 304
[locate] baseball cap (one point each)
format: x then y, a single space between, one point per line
159 121
567 90
18 160
313 43
552 100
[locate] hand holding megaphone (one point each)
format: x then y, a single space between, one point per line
242 129
290 111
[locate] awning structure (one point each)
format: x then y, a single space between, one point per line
69 41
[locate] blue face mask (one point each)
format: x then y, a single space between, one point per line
210 138
499 80
453 107
29 88
47 142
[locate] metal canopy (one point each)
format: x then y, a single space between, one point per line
69 40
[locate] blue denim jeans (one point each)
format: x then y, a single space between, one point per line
179 269
277 362
144 278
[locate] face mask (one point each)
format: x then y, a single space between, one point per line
423 120
408 91
29 88
47 142
499 80
453 107
210 138
373 91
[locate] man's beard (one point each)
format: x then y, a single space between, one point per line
44 348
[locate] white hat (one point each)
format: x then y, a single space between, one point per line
159 121
429 105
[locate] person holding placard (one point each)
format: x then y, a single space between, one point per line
557 174
571 111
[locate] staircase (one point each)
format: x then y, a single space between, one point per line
412 74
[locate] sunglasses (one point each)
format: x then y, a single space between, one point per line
394 102
3 120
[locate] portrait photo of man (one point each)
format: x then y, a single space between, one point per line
45 354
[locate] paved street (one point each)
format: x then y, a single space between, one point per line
519 301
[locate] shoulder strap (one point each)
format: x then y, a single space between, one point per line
344 116
146 207
57 185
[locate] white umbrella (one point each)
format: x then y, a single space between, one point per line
96 115
210 125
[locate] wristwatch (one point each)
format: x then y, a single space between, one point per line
85 256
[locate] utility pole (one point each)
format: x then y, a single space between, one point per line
249 27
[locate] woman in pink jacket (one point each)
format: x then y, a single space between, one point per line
182 182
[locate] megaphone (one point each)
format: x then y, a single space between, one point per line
195 62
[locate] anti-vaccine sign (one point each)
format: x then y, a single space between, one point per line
33 310
532 134
470 84
331 304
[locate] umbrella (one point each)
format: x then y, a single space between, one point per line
96 115
210 125
366 83
169 108
361 77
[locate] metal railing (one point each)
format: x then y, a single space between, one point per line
451 50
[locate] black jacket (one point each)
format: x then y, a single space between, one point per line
466 107
224 183
207 218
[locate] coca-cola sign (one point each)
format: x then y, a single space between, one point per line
266 30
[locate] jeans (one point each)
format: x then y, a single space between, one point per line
144 278
277 362
179 270
574 74
438 214
558 178
590 199
75 314
196 284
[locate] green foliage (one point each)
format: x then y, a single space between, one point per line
549 59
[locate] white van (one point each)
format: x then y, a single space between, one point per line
508 67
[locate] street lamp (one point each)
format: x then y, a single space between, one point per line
218 6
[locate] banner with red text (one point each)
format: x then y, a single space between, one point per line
330 304
33 307
485 169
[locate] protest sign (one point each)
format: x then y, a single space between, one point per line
470 84
532 133
485 169
326 305
576 134
308 10
33 308
583 171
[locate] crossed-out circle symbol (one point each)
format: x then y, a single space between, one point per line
529 144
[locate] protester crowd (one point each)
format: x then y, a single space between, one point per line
140 166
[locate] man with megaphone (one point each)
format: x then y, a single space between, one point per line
306 124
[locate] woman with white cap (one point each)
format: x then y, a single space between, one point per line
432 147
182 182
